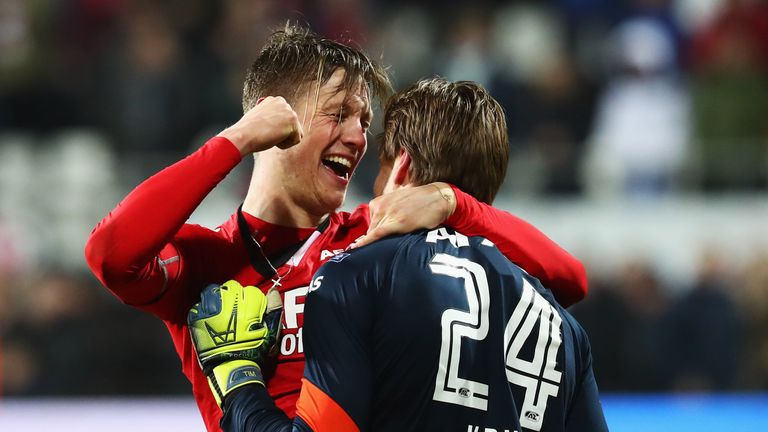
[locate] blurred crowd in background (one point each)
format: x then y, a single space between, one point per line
613 100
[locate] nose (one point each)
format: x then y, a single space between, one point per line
353 134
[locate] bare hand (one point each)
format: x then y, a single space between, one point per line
272 122
408 209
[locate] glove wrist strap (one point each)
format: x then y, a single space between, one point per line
231 375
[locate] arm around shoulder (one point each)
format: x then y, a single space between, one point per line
523 244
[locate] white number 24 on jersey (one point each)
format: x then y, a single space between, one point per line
538 376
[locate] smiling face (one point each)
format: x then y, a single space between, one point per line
315 173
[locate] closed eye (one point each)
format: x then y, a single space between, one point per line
337 117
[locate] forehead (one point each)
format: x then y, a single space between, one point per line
332 92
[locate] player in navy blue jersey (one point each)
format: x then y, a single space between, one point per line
433 330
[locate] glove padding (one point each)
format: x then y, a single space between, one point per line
234 329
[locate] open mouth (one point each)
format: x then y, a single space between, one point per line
340 166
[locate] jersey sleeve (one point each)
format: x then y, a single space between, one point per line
586 412
135 250
524 245
251 409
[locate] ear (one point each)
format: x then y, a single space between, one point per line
385 169
401 169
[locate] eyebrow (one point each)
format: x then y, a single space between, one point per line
348 103
367 114
333 101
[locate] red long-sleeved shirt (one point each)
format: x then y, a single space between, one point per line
149 257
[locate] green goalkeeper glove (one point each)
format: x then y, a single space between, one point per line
234 329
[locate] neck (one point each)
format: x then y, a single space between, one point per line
268 200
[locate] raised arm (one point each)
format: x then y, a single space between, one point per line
131 251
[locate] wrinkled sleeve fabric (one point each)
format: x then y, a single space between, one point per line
250 408
140 250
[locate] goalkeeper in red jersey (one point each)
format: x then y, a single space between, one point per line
307 103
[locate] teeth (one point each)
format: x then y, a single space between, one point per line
339 160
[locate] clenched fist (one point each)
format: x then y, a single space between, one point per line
272 122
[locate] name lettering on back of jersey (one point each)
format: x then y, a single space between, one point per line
472 428
457 239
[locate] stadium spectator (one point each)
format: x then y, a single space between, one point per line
61 342
701 356
148 63
605 315
647 303
730 98
640 138
753 300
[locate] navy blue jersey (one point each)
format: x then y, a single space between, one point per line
435 331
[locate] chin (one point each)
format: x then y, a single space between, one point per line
337 202
336 199
329 202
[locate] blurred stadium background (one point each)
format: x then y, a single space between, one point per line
639 138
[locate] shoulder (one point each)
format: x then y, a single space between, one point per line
373 258
226 232
397 253
229 229
346 227
360 215
211 254
412 248
578 336
361 272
